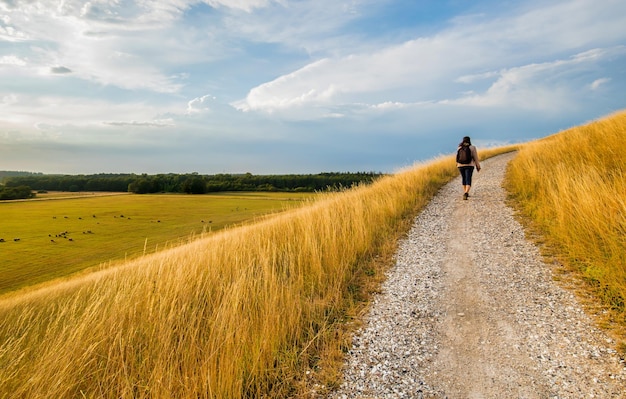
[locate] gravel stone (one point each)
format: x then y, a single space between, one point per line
470 310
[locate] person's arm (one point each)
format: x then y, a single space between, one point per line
475 157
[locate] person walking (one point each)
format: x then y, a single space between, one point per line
466 160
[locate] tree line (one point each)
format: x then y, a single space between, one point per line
191 183
18 192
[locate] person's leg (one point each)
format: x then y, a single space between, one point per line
469 171
463 178
466 175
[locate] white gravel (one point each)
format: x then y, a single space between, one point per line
470 310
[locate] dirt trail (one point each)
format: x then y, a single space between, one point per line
473 338
471 311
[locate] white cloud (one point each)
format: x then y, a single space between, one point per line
596 84
131 44
412 65
542 86
472 51
391 105
200 104
476 77
91 40
395 105
9 32
311 27
8 99
30 110
246 5
153 123
12 60
314 75
294 89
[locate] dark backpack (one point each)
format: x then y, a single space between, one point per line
464 155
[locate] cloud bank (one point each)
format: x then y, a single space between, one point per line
295 86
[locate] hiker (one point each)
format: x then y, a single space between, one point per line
466 160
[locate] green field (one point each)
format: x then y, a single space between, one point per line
61 233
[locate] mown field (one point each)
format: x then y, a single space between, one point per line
62 233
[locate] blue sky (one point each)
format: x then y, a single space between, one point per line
282 86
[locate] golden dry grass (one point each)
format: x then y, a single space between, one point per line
573 187
242 313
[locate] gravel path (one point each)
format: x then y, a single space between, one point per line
471 311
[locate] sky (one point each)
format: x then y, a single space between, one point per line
295 86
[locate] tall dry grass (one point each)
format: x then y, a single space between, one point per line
573 186
239 314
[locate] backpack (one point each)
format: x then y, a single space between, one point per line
464 155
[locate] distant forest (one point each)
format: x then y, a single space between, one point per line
18 192
192 183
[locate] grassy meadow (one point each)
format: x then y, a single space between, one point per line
247 312
63 233
264 309
572 186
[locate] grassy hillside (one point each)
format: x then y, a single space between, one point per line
572 185
245 312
